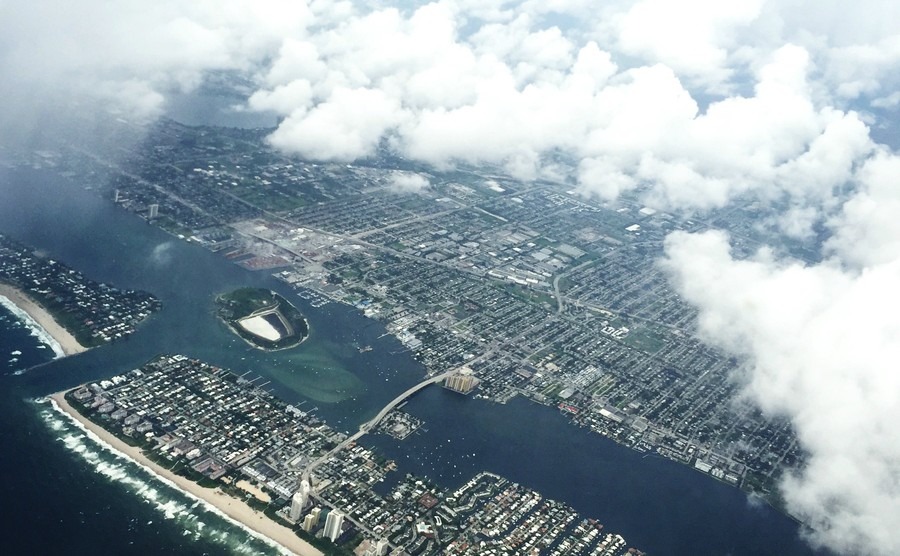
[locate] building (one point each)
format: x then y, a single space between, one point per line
333 522
311 520
298 501
154 210
379 548
462 382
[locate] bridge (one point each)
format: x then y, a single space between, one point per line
373 422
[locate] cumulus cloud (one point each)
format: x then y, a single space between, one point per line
511 91
161 254
346 127
820 344
408 182
689 105
867 229
694 37
127 57
504 82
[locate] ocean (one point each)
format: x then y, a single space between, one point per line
64 493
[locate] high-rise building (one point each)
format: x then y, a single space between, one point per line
463 381
298 501
311 520
333 522
378 548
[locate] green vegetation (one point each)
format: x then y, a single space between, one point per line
327 547
526 294
172 226
68 321
245 303
645 339
552 390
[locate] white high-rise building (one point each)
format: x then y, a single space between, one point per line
333 523
298 501
379 548
311 519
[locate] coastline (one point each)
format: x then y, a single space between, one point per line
233 508
67 342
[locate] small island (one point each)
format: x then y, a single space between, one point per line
262 318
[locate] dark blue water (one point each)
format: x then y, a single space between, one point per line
53 479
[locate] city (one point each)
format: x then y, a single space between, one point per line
540 292
451 277
224 432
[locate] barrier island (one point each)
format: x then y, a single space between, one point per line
77 312
262 318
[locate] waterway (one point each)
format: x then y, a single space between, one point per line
50 483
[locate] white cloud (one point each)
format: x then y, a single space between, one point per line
346 127
694 104
867 230
821 346
692 37
132 54
408 182
161 254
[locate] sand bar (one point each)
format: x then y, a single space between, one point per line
45 320
230 506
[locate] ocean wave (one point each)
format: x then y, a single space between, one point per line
162 494
36 329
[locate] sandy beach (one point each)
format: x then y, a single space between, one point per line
230 506
69 344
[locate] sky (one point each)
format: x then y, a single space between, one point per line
693 105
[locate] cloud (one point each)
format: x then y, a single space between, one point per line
511 92
687 105
408 182
617 87
161 254
128 56
820 343
346 127
867 229
693 37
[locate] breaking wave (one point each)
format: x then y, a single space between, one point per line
36 329
197 518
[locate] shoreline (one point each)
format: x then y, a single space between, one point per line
231 507
43 319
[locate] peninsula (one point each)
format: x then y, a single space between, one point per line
68 344
262 318
76 312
